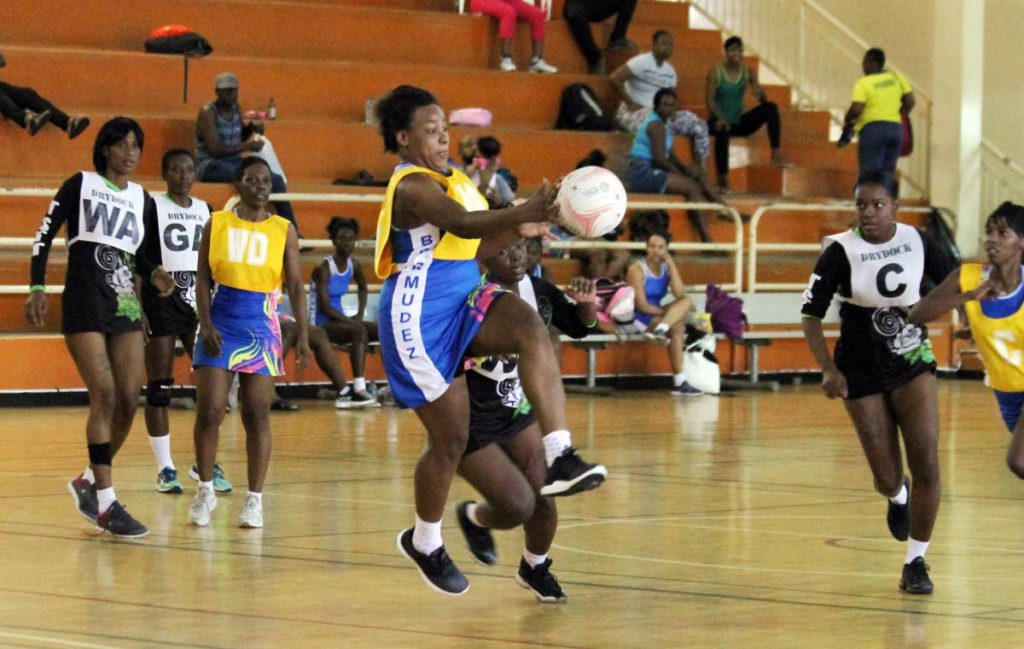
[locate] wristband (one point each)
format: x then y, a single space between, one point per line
592 324
36 288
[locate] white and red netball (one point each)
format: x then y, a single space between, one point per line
591 202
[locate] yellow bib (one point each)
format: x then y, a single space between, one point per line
247 255
1000 340
459 188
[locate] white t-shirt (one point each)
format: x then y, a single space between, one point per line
649 78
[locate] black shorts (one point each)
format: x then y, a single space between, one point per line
99 311
492 429
861 383
168 316
99 291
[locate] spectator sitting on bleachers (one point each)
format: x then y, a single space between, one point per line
655 169
327 287
727 82
222 137
507 12
639 78
579 14
486 171
652 278
467 151
27 109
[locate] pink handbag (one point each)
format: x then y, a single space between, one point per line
470 117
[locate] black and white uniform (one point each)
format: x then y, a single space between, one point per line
877 284
105 229
498 409
174 244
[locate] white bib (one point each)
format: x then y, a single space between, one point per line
884 274
179 229
110 217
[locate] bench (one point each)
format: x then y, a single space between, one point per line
763 310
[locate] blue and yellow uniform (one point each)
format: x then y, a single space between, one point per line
432 302
247 264
997 326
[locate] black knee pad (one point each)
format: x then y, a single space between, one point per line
100 454
158 393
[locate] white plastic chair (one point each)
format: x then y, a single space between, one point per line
544 4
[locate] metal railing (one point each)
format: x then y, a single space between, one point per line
735 248
757 247
819 58
1002 179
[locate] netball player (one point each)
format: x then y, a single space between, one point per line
884 369
327 287
504 458
433 309
992 295
246 253
177 223
102 319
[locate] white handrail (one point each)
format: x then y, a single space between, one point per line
757 246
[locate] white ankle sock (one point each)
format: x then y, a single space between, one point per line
206 485
426 537
555 443
916 549
471 515
901 497
534 559
88 475
679 379
106 498
257 496
359 385
162 451
661 329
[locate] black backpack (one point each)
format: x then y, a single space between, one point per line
580 110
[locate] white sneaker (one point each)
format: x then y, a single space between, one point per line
540 65
251 514
202 506
507 65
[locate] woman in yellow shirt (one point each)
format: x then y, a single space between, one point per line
245 254
880 98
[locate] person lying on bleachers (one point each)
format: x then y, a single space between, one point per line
222 136
27 109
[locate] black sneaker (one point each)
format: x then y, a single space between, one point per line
436 568
915 578
119 522
898 516
478 539
540 581
569 475
84 493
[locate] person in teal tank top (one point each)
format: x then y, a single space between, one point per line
654 167
727 84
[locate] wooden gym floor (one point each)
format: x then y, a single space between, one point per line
745 520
